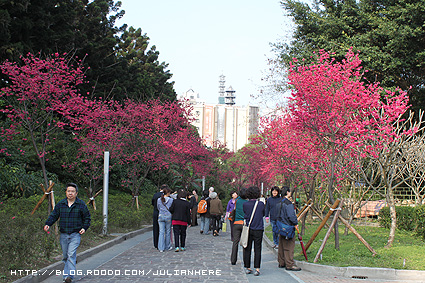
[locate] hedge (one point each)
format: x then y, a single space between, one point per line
408 219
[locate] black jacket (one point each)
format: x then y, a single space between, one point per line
180 210
155 198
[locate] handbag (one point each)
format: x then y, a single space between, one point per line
245 229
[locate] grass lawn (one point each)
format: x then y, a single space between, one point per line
406 248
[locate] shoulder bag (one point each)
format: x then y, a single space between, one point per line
245 229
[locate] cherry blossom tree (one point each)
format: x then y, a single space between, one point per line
38 94
333 118
330 102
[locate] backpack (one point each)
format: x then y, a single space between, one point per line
202 206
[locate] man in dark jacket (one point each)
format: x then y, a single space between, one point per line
155 228
74 221
285 255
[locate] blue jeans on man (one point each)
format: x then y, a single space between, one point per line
69 244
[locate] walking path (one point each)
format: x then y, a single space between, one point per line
207 259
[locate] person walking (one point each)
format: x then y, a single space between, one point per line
74 221
238 224
272 212
181 219
164 219
194 208
285 254
155 224
230 207
216 212
256 229
204 212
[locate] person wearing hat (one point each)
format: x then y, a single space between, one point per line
285 254
74 221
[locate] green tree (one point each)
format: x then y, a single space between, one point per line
119 65
389 34
145 78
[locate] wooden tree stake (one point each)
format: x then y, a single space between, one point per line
304 210
335 205
322 246
351 228
46 193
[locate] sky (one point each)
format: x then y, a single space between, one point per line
201 40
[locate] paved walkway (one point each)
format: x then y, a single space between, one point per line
207 259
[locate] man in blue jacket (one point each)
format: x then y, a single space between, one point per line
74 221
285 254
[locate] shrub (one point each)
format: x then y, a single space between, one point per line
420 221
384 217
408 219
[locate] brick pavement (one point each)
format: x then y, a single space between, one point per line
206 259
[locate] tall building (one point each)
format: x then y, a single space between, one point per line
224 122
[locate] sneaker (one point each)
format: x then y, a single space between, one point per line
182 249
161 251
170 248
177 250
201 232
67 280
276 247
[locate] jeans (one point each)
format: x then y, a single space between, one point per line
275 235
164 240
205 224
69 244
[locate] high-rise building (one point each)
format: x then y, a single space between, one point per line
225 123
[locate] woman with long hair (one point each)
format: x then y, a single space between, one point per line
164 219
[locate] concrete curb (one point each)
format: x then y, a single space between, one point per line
44 273
355 272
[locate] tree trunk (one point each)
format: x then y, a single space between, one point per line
331 197
393 214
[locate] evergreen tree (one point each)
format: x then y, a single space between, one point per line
86 30
389 34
